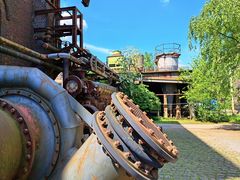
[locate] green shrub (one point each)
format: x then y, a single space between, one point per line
210 112
146 99
130 76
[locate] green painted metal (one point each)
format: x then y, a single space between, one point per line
11 146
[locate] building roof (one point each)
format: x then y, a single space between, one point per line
167 81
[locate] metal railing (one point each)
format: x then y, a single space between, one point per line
168 48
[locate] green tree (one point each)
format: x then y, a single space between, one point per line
216 30
148 61
131 82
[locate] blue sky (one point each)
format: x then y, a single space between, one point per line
143 24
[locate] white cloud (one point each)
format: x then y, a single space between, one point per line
85 26
98 49
67 38
69 21
165 2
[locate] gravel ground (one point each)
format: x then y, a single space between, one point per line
206 152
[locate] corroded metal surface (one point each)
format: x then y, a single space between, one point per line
27 140
48 120
56 125
132 140
10 156
145 127
90 162
16 24
117 149
32 108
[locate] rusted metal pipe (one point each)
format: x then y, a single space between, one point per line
91 162
66 66
57 122
65 56
49 47
25 57
105 86
23 49
40 83
128 140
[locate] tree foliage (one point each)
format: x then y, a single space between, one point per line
148 61
130 79
216 30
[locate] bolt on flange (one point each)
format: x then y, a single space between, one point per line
132 140
119 152
145 127
28 140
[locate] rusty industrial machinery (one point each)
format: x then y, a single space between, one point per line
81 129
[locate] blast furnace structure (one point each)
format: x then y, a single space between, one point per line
165 80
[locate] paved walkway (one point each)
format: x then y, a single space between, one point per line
206 152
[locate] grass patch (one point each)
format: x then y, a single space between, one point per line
234 119
161 120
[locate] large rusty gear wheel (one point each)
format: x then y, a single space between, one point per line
132 140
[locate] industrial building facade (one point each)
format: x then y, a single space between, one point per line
163 80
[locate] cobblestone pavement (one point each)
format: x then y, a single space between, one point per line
206 152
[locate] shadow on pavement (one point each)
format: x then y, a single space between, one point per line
234 127
197 160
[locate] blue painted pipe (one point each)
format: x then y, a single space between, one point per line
61 103
40 83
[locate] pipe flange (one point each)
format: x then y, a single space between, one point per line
119 152
151 133
74 85
28 140
45 106
131 138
